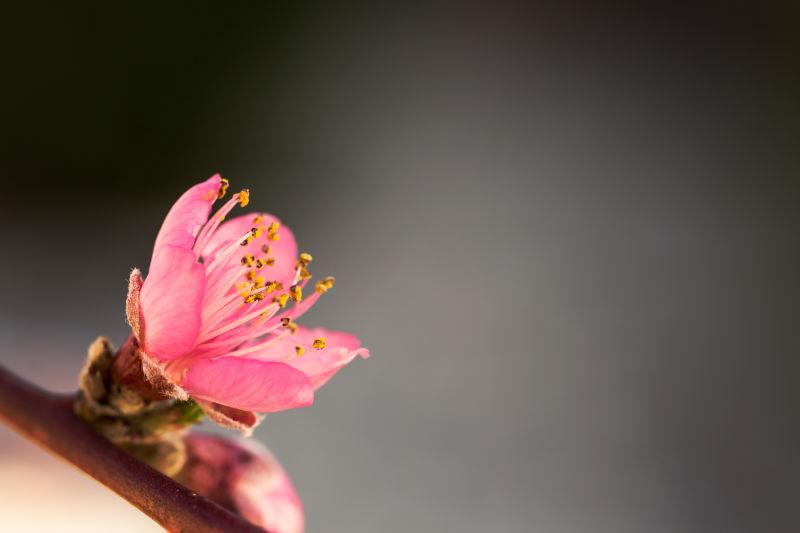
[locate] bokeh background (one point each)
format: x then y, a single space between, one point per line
567 232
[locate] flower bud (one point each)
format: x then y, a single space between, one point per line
244 477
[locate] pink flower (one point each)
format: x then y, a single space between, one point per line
216 314
244 477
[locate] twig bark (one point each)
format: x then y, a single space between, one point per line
48 420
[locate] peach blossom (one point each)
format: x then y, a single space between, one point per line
217 312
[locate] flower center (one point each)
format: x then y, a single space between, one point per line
242 303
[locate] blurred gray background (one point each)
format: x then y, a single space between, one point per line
567 234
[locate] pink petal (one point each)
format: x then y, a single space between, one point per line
170 303
284 250
318 365
187 216
247 384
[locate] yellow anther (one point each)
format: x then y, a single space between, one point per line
259 282
250 298
304 259
285 321
281 300
251 275
260 263
258 220
293 327
244 197
270 261
260 295
265 248
271 286
324 285
296 292
320 343
223 187
265 315
248 260
299 350
304 273
272 231
279 285
256 232
243 288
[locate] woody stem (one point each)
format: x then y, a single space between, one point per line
48 420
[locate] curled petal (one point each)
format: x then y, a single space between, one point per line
187 216
319 365
170 303
249 385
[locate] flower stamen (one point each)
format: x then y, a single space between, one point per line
320 343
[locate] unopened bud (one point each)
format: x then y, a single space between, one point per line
244 477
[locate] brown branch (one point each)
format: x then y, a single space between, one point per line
48 420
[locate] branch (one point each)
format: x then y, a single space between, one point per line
48 420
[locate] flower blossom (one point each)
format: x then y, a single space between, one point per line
244 477
216 316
